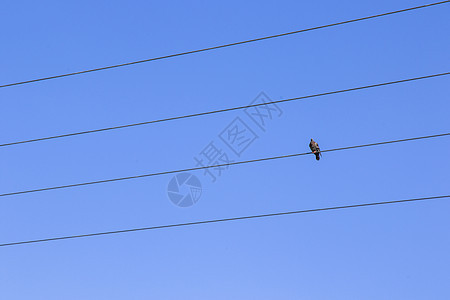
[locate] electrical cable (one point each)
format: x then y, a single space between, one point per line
216 166
222 220
224 110
224 45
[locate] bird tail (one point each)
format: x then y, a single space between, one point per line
318 155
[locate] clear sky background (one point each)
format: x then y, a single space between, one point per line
386 252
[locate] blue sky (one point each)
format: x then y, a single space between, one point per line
387 252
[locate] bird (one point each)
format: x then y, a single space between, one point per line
315 149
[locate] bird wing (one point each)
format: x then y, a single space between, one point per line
313 146
318 149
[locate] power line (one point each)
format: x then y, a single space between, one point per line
216 166
222 110
225 45
223 220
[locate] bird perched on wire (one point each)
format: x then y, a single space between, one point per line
315 149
